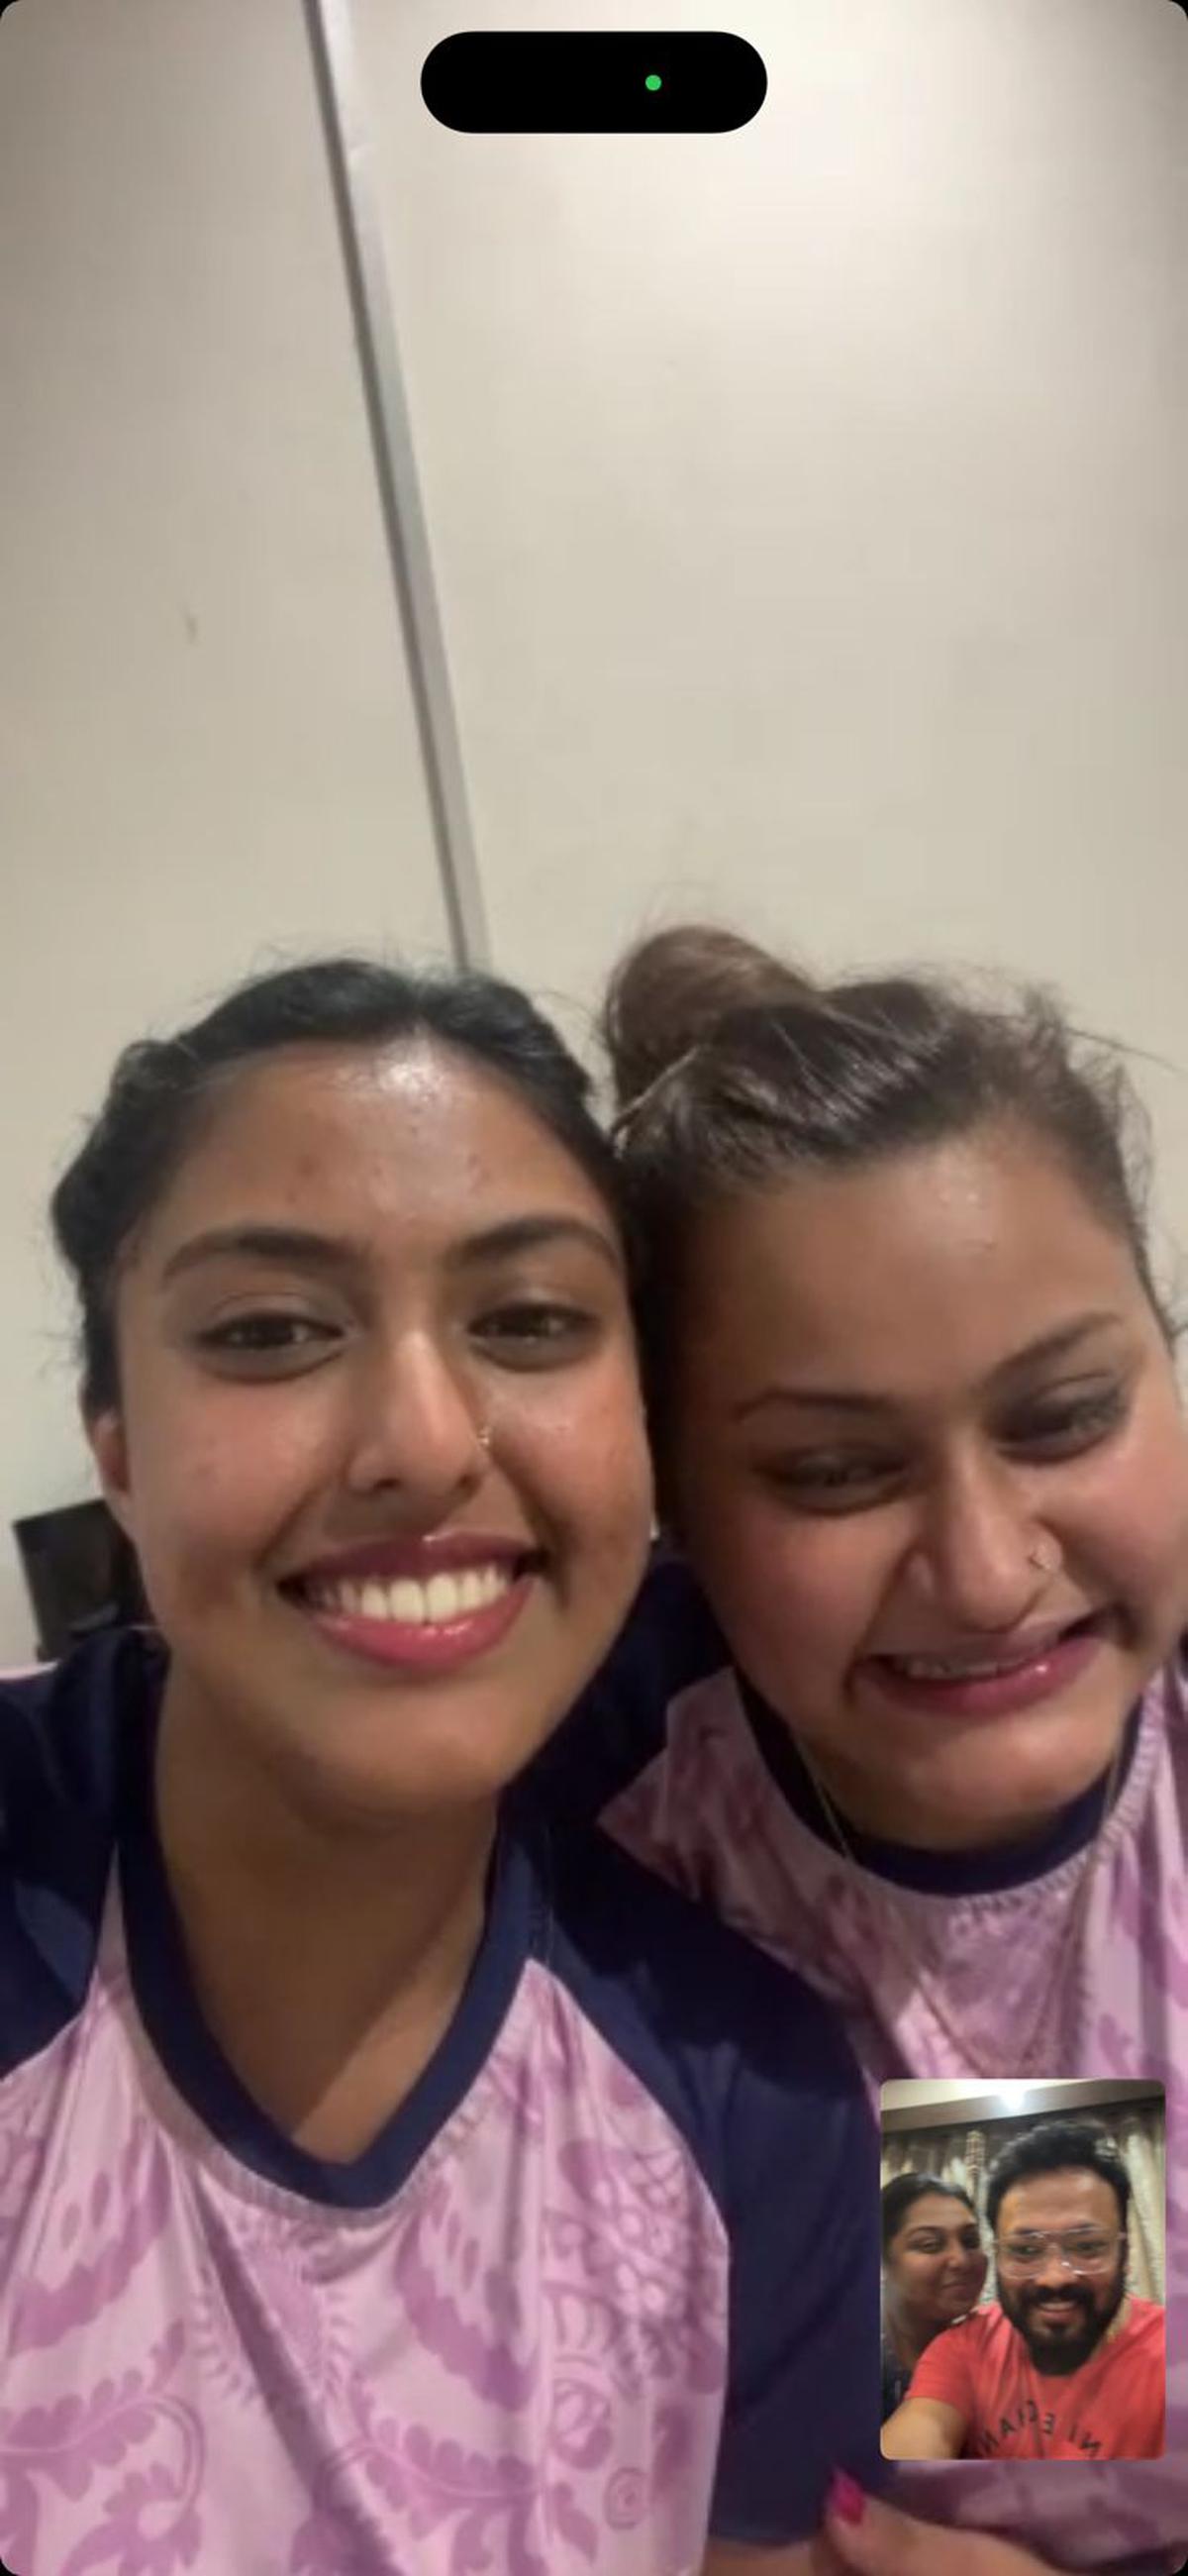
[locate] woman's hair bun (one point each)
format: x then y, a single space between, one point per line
676 987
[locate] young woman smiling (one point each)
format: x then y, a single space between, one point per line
383 2182
904 1699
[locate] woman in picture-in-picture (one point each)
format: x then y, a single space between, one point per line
903 1696
934 2271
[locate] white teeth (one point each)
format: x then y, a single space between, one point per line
940 1668
444 1596
407 1604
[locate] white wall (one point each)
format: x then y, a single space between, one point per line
810 502
207 749
808 507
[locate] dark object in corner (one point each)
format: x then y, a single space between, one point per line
81 1575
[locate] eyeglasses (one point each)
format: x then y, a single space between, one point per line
1077 2253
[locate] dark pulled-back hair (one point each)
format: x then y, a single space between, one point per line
900 2194
734 1071
163 1090
1054 2146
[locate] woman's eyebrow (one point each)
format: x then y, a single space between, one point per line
291 1246
303 1247
526 1233
822 1399
1054 1346
1049 1346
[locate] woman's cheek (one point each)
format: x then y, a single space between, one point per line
589 1450
202 1446
806 1580
1137 1555
216 1501
1130 1508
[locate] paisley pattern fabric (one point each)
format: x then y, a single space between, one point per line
523 2334
681 1777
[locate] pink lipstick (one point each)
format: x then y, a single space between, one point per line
990 1681
423 1605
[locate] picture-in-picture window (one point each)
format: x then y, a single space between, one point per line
1023 2271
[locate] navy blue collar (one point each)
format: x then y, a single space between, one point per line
947 1873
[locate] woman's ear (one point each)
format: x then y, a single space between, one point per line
108 1445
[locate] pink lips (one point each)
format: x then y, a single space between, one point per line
429 1646
435 1552
434 1647
1021 1684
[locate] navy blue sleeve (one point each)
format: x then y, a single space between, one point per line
59 1788
802 2207
757 2074
619 1723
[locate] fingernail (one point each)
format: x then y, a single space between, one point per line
845 2498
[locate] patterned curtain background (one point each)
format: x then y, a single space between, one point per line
961 2155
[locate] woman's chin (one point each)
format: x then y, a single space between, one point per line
977 1790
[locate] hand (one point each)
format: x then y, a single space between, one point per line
884 2542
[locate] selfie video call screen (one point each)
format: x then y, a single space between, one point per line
480 486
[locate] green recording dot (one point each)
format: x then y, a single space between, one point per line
653 81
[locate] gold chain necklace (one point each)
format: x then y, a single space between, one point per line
920 1971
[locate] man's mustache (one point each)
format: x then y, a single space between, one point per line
1034 2299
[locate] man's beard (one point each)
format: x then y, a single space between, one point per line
1057 2356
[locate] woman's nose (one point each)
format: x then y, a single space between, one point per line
418 1426
972 1556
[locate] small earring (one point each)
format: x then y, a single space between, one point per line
484 1437
1043 1564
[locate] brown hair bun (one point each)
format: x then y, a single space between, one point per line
678 986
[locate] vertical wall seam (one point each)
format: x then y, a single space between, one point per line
348 153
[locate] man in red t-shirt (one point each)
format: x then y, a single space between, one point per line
1065 2365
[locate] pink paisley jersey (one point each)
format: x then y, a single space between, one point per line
685 1769
543 2326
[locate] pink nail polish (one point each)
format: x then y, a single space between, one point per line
845 2498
